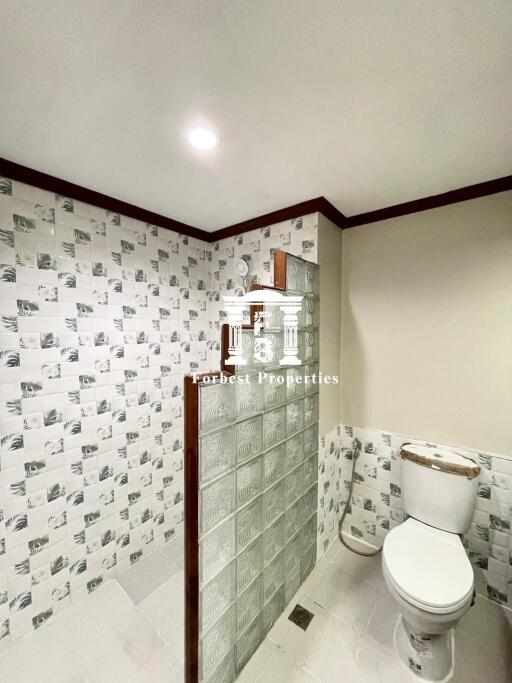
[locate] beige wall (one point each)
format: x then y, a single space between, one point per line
329 259
427 324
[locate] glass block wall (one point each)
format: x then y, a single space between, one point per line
258 473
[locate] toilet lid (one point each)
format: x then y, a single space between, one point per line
428 567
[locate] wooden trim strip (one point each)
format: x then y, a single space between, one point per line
295 211
191 530
9 169
462 194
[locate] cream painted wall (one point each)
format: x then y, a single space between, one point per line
329 260
427 324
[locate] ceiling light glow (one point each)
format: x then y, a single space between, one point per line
202 138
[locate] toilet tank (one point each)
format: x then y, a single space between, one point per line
438 486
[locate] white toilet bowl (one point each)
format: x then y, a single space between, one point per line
429 575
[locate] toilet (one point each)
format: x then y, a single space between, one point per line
425 565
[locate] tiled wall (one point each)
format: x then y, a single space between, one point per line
100 317
377 502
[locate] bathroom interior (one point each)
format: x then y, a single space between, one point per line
255 431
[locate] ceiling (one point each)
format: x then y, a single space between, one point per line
367 103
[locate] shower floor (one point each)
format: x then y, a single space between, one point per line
129 630
350 637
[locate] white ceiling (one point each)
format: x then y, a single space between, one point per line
369 103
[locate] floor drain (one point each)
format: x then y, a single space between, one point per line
301 617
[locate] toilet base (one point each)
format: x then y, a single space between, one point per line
429 657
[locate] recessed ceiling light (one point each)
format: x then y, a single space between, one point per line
202 138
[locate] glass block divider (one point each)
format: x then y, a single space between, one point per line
256 565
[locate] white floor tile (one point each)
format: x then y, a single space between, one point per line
281 667
175 551
367 569
147 575
383 619
488 623
165 609
345 596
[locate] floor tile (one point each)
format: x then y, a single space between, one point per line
281 667
475 662
488 623
368 569
161 668
165 609
254 667
345 596
147 575
383 619
175 551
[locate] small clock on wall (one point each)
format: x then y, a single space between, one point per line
242 267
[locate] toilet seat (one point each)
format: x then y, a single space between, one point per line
428 567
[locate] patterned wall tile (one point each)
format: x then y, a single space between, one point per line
100 317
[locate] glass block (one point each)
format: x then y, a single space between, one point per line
310 440
310 410
292 567
310 500
274 427
249 605
311 311
295 416
249 397
273 465
294 383
311 346
273 577
225 672
268 349
293 518
309 532
217 595
248 642
217 642
249 523
249 481
272 317
294 451
295 275
294 485
216 550
273 610
217 406
292 584
248 565
273 503
310 471
312 278
312 371
216 453
308 562
292 556
217 501
274 388
248 439
247 350
273 540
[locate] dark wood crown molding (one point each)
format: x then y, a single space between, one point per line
462 194
321 205
23 174
318 204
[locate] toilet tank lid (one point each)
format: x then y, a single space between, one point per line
443 459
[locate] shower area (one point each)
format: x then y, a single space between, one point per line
102 317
